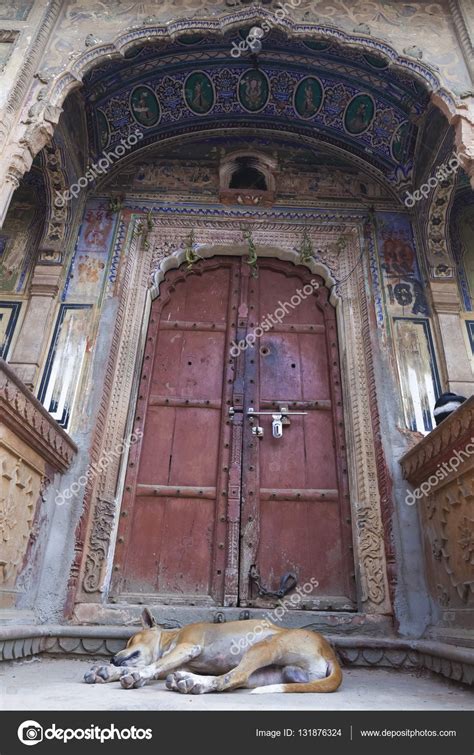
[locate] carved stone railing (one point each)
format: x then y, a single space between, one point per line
441 470
33 448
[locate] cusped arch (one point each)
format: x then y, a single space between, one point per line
72 77
44 106
206 251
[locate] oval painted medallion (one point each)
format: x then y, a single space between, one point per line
199 93
254 91
145 107
308 97
359 114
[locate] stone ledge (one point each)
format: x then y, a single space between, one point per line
25 416
331 622
453 662
454 432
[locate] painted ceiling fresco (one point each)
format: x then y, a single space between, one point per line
343 97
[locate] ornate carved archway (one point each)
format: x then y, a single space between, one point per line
147 263
48 92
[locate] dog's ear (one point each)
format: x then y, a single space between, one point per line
147 619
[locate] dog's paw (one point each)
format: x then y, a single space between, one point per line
132 681
106 673
189 684
172 682
97 675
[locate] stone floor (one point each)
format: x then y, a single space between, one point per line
45 683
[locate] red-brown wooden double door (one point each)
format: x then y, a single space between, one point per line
207 502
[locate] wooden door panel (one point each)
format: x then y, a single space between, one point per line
313 359
186 547
173 511
276 289
303 458
294 366
206 300
199 481
198 429
280 368
167 432
141 571
303 537
172 547
157 435
186 366
295 510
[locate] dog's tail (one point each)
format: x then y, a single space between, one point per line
329 684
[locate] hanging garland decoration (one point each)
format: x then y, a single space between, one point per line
252 258
143 229
191 256
116 203
306 250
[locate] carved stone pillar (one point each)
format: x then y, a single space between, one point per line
8 186
447 306
28 353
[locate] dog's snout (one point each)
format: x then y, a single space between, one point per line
124 660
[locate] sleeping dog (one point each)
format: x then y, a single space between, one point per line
203 657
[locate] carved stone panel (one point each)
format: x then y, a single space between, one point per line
449 533
21 479
441 469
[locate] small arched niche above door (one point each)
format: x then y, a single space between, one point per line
247 178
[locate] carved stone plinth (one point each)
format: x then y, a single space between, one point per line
32 449
441 470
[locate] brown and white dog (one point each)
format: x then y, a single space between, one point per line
203 658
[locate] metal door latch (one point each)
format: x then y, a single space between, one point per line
278 420
277 425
